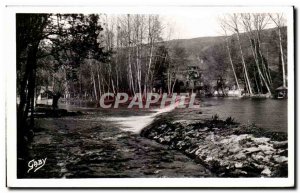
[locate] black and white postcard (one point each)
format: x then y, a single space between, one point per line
150 96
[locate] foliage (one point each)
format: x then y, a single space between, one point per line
52 45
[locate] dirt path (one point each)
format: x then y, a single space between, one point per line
76 147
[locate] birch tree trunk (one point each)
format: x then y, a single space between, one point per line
231 62
253 48
244 64
282 58
99 81
131 84
279 24
94 83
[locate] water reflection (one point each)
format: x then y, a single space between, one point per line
266 113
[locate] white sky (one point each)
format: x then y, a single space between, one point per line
187 26
193 23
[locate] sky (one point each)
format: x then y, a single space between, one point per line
193 22
188 26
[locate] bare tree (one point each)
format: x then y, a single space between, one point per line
254 42
223 26
93 76
232 21
138 30
154 31
261 20
279 21
129 54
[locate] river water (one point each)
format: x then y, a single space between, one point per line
270 114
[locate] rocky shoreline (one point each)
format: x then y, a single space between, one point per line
225 147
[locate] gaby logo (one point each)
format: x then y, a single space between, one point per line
36 164
182 100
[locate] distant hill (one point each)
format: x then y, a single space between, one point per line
197 44
213 52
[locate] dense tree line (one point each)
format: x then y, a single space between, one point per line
253 48
49 50
84 56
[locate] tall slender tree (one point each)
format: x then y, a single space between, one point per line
279 21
